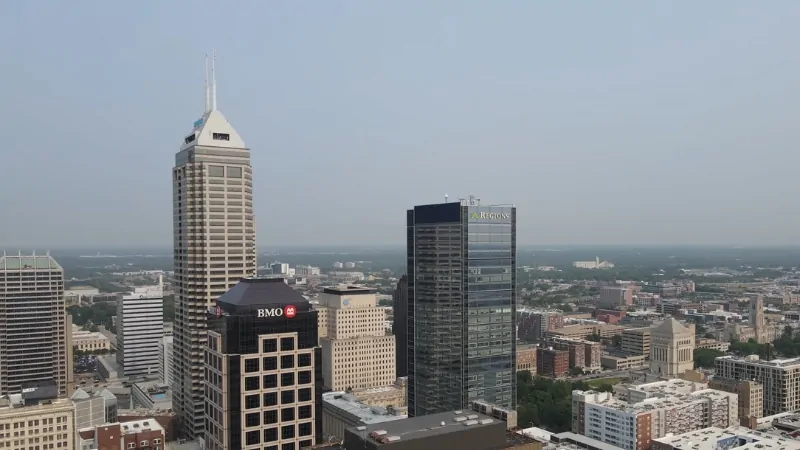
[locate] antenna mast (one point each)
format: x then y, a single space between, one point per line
206 91
213 80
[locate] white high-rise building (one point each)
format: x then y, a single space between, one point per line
279 268
165 360
635 415
214 243
140 327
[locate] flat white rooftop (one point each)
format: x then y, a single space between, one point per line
709 439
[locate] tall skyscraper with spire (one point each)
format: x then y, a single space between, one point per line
214 242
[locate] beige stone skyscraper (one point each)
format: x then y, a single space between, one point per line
671 348
214 243
35 330
356 350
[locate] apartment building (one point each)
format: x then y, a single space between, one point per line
140 328
751 395
740 438
636 341
615 296
633 425
534 325
582 353
780 379
35 330
37 418
356 350
551 362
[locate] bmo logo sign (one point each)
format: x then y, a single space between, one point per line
287 311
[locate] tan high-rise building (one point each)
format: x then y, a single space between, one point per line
636 341
214 244
356 351
28 425
35 330
671 348
751 395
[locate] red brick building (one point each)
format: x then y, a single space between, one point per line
144 434
551 362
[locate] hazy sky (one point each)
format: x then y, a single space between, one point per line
604 122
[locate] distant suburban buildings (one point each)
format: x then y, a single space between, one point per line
307 271
279 268
596 264
534 325
615 296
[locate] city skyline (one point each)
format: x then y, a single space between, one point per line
612 125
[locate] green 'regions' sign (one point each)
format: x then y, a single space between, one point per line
490 216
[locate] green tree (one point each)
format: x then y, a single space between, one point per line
565 307
594 337
546 403
616 341
704 357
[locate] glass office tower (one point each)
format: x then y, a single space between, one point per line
461 306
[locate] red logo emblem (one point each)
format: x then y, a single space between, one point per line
289 311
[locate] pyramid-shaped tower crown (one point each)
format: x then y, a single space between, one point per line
671 327
213 129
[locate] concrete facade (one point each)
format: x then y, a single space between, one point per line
671 349
356 351
214 246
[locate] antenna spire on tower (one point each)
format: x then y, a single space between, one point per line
206 91
213 80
